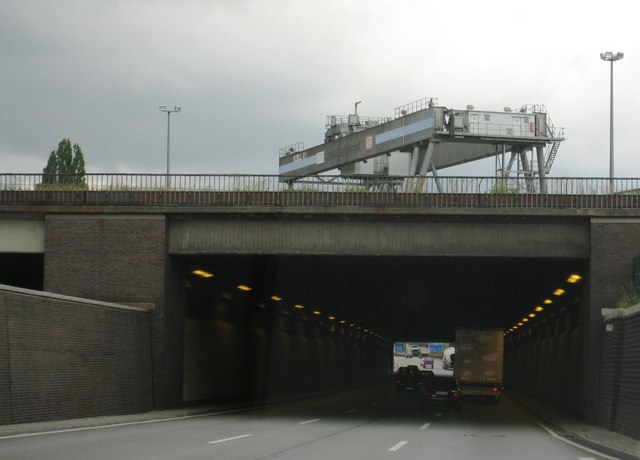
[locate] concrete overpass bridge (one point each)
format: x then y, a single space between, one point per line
247 281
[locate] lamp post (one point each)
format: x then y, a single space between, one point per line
164 108
611 57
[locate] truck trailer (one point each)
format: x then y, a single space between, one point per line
479 363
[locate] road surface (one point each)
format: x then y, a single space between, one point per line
368 424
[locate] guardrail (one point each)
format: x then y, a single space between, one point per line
274 190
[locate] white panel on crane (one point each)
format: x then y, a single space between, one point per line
497 124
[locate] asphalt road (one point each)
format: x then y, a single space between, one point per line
370 424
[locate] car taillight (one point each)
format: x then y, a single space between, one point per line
496 389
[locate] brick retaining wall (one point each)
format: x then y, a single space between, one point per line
619 396
63 357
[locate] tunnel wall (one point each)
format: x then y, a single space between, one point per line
64 357
547 364
619 397
264 358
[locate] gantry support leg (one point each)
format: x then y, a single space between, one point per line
542 174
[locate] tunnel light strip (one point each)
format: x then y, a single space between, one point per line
202 273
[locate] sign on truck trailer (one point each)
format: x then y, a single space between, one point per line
479 363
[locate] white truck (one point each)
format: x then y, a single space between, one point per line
448 358
479 363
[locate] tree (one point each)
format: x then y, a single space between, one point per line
65 166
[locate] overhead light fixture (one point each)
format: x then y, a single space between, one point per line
276 298
539 308
547 301
298 306
331 317
317 312
559 292
202 273
574 278
244 287
532 315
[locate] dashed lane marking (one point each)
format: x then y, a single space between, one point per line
425 426
398 446
230 439
309 421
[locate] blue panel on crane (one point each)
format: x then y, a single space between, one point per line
412 128
302 163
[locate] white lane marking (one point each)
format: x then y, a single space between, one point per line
309 421
575 444
398 446
116 425
425 426
438 414
230 439
586 458
350 411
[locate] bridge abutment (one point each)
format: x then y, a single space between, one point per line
122 259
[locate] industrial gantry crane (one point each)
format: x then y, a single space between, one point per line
424 138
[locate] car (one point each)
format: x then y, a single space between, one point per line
427 362
408 378
438 390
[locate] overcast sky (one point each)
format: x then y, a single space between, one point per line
256 75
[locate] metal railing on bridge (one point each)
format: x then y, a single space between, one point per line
272 190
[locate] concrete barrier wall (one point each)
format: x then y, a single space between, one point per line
619 396
64 357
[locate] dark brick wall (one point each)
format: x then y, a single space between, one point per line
5 372
66 358
110 258
619 396
614 244
122 258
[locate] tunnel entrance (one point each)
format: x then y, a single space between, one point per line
332 320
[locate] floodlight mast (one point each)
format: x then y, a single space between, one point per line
169 111
611 57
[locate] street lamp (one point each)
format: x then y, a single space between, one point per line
164 108
611 57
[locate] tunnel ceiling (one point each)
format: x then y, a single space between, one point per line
400 298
